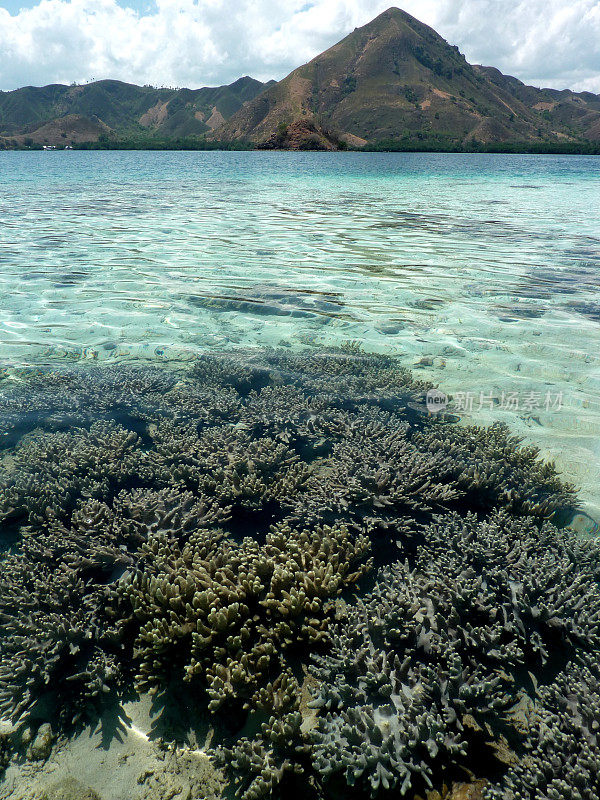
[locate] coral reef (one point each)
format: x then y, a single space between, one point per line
228 613
264 765
491 470
562 743
206 528
426 673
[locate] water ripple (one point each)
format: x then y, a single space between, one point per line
481 271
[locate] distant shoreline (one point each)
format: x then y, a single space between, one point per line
509 148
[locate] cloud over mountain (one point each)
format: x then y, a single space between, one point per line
181 42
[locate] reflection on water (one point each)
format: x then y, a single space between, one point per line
480 271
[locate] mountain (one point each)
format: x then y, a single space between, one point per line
59 114
577 112
393 82
397 79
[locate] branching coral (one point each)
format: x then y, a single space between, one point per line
227 613
50 472
562 746
264 764
492 469
428 668
55 639
58 601
204 528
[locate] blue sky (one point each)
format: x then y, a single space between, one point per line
210 42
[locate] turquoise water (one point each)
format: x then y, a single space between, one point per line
482 272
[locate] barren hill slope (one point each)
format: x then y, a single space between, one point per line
395 78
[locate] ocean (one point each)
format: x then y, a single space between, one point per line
481 272
299 476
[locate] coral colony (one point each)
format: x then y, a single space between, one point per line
369 600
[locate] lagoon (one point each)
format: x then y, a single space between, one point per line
479 272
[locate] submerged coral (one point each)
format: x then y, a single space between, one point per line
425 676
227 613
204 528
271 763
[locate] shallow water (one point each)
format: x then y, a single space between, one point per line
201 472
480 271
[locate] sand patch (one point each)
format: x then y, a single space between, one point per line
124 758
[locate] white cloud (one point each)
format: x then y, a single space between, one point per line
543 42
208 42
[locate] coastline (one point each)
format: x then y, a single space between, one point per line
500 148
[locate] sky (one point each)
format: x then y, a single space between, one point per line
210 42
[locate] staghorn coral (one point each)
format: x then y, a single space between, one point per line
201 528
348 419
562 747
227 613
50 472
229 464
268 764
492 469
57 607
345 376
428 668
377 475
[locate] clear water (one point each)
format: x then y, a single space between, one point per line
482 272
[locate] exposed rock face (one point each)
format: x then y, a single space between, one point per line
300 135
216 119
156 115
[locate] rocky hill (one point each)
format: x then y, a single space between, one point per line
59 114
392 82
397 79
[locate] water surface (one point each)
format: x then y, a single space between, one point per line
482 272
